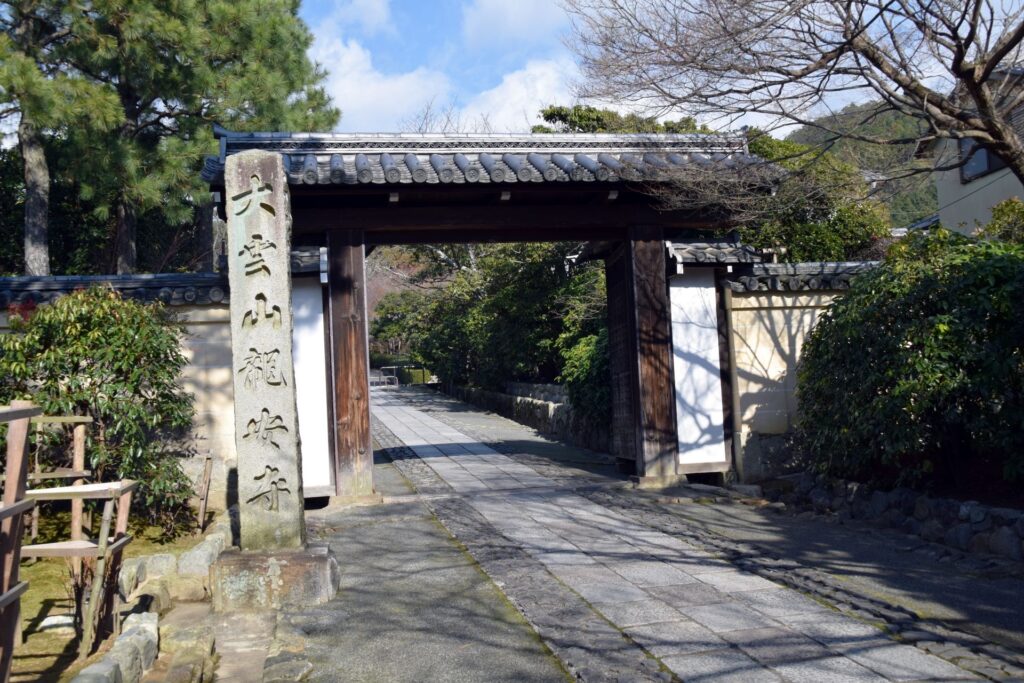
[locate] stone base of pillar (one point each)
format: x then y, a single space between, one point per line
283 579
366 499
655 482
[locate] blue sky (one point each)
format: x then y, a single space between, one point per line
499 59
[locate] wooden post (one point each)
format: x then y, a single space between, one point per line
353 450
11 530
77 504
640 340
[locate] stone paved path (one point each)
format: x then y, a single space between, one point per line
702 618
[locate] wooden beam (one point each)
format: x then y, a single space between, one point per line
657 437
353 450
640 341
622 355
502 222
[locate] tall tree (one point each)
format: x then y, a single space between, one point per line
42 96
951 64
177 67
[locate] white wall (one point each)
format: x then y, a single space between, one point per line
311 385
696 366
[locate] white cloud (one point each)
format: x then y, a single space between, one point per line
491 23
512 105
369 16
372 101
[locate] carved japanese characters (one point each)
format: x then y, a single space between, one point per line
266 421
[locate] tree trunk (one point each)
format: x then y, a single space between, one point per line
124 238
37 198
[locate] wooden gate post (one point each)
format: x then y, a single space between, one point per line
640 343
353 449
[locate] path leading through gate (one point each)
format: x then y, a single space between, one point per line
696 614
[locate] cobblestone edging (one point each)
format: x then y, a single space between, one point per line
968 526
583 641
148 584
965 650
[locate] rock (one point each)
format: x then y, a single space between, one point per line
752 490
128 657
219 539
966 508
133 572
1019 527
947 511
1004 516
144 641
932 530
978 543
982 525
286 667
979 514
159 596
819 498
838 503
1004 541
57 623
895 517
878 504
186 588
104 671
197 561
912 526
903 499
193 638
160 565
959 536
922 508
187 667
148 622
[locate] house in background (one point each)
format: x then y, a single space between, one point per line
967 194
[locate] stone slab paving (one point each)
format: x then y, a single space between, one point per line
699 615
412 605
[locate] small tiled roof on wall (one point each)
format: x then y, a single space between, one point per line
174 289
797 277
714 252
415 158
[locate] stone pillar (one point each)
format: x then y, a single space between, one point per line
270 497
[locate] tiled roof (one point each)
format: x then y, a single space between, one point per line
714 252
401 159
796 277
174 289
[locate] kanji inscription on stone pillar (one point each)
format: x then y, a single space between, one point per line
266 422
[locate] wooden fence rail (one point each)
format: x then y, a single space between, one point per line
12 525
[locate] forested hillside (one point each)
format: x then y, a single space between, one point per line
909 199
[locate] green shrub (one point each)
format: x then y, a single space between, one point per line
587 377
916 375
413 375
1007 222
118 361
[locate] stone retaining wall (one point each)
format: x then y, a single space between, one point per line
549 418
968 526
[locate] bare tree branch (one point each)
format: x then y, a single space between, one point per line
952 64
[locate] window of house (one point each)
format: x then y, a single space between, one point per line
980 161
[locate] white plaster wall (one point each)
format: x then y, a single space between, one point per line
768 330
696 366
311 384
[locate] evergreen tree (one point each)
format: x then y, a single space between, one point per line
42 96
177 67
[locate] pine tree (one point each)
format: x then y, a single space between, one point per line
43 97
177 67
